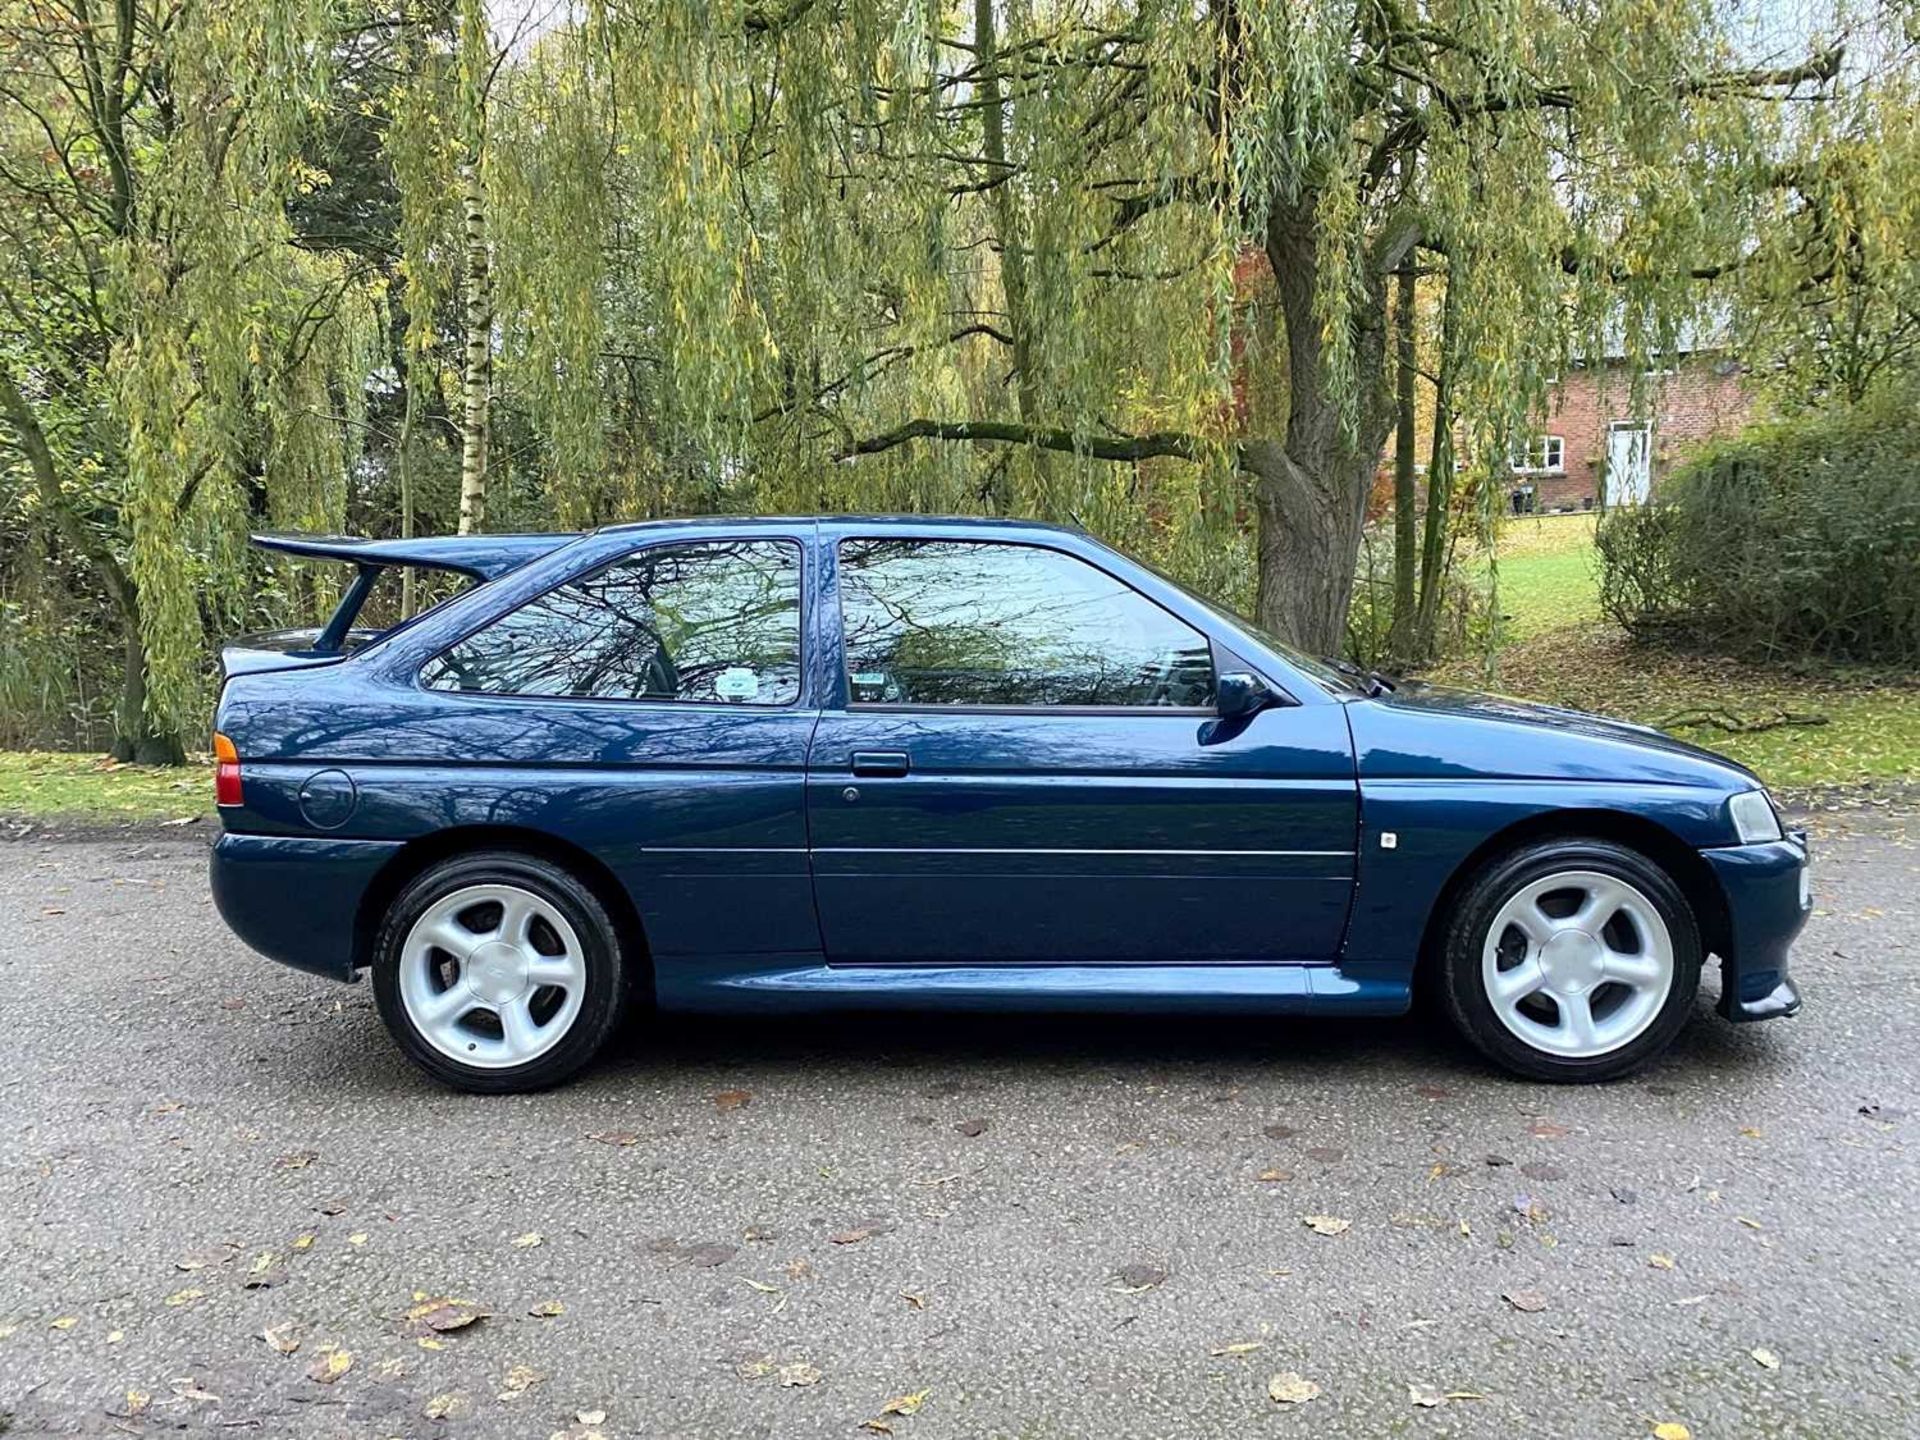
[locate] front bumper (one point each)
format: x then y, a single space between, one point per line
1767 905
296 900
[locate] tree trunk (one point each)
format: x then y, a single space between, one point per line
135 738
1401 638
1434 546
1310 495
476 379
1008 222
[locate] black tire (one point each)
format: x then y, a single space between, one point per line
607 984
1463 986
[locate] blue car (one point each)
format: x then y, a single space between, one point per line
773 765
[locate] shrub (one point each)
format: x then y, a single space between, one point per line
1798 539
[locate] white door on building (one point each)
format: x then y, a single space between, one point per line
1629 463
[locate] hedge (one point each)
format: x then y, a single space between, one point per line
1798 539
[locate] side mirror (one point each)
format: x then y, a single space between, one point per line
1240 694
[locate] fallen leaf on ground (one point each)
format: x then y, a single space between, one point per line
547 1309
918 1302
851 1237
1750 1132
186 1297
1273 1177
1749 1223
299 1160
799 1373
590 1417
529 1240
1326 1224
1288 1388
1238 1347
1139 1276
65 1322
1660 1262
359 1237
330 1366
615 1137
442 1313
1671 1430
1547 1130
520 1379
1529 1302
281 1338
440 1407
1424 1396
906 1404
1764 1358
304 1242
1279 1132
732 1099
205 1259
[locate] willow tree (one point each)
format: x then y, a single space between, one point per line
172 369
937 242
1826 304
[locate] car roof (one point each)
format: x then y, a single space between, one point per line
844 521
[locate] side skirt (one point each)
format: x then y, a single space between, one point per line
788 983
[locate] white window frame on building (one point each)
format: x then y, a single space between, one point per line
1541 455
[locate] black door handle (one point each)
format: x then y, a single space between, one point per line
879 763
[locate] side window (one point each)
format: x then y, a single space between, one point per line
946 622
708 621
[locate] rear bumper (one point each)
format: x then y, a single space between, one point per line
1767 904
296 900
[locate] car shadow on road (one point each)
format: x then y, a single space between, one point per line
1418 1046
681 1050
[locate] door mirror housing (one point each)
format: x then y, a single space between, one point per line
1240 694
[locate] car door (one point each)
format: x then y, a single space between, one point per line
651 710
1024 763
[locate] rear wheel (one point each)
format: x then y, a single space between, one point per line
499 972
1571 960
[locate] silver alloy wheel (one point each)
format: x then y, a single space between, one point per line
492 976
1578 964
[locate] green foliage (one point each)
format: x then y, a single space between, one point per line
1801 538
1463 617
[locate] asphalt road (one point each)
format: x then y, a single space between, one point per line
1727 1242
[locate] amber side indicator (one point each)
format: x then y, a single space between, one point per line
226 771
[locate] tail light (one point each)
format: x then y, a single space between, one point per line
226 772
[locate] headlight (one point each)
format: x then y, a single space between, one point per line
1754 818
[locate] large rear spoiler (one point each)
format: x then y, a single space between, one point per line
482 557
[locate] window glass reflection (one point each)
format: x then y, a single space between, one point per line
940 622
712 621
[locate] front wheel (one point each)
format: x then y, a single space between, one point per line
1571 960
498 972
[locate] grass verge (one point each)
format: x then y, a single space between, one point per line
1799 729
93 790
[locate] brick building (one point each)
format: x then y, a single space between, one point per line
1590 447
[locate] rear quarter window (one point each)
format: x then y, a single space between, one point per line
713 622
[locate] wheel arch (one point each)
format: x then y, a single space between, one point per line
416 856
1683 864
